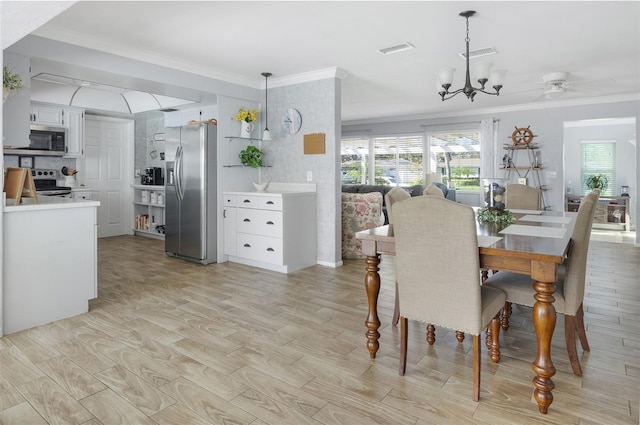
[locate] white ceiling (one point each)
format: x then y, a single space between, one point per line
595 42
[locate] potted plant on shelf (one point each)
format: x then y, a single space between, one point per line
251 156
10 82
246 117
599 181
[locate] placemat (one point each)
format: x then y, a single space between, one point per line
517 211
546 219
486 241
538 231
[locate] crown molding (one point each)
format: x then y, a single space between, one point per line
305 77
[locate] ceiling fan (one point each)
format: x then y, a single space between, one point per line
558 84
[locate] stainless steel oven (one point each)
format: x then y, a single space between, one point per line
45 181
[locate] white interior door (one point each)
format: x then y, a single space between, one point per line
107 168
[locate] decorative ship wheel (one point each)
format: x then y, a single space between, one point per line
522 136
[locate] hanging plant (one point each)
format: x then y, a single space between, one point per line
251 156
11 80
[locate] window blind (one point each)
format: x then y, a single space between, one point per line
598 157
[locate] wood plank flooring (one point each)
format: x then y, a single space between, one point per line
172 342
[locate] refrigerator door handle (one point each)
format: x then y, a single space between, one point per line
178 176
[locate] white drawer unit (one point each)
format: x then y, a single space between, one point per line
275 231
82 194
259 222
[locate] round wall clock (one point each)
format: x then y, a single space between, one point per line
291 121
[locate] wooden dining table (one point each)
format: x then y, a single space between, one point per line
535 245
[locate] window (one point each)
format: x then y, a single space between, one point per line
355 161
456 155
399 160
396 161
598 157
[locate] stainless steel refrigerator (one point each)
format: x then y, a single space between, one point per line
190 192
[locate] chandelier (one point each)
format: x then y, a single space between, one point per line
446 75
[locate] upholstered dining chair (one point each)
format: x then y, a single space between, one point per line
433 190
453 299
396 194
570 285
520 196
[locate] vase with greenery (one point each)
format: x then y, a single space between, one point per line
251 156
10 82
599 181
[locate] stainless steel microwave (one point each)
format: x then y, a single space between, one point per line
45 138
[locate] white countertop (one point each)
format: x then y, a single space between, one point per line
279 189
47 203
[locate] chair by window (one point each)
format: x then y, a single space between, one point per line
569 287
523 197
453 298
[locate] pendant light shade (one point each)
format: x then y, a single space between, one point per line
266 134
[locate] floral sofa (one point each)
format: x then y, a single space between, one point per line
360 211
415 190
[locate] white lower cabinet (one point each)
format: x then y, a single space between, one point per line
87 194
275 231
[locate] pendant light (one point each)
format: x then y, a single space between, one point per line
446 75
266 134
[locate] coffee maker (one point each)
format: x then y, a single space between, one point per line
152 176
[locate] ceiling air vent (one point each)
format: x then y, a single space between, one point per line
479 53
397 48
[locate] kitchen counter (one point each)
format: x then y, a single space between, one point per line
47 203
279 189
50 260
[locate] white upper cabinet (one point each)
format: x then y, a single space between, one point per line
47 115
74 122
63 116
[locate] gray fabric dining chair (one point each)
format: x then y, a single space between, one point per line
520 196
396 194
453 299
570 285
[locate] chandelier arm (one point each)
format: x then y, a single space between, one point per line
452 94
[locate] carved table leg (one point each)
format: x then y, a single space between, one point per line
431 334
372 286
544 321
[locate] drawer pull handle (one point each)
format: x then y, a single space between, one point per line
269 202
271 250
247 245
246 201
270 223
246 220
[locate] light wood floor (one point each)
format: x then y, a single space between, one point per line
171 342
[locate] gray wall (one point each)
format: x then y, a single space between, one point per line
319 105
147 124
547 122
